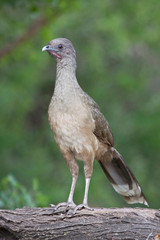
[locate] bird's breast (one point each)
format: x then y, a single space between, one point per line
73 128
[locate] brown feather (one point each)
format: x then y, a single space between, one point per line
122 179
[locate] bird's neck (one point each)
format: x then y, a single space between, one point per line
66 86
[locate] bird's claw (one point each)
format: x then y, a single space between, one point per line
67 206
80 206
52 205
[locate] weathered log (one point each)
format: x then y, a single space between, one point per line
116 224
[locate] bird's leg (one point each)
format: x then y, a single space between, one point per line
70 198
88 172
74 171
70 202
85 200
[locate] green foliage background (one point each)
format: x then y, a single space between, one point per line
118 55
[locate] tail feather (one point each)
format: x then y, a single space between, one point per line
121 178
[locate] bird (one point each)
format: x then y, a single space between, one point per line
82 132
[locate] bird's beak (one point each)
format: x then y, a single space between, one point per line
51 50
48 48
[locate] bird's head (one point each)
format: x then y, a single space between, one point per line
61 48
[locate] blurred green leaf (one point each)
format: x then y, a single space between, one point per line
118 59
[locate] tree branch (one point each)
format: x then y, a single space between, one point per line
43 223
30 32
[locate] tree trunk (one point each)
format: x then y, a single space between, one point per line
113 223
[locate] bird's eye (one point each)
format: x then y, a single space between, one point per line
60 46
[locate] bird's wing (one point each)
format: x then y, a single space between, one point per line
102 129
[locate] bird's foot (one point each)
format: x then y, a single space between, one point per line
80 206
67 206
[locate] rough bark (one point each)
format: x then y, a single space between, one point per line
116 224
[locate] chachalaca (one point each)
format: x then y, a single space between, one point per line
82 132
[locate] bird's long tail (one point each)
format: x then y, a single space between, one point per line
121 177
